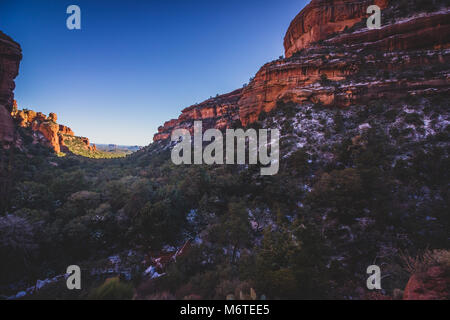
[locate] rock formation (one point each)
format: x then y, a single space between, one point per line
10 57
66 130
322 18
46 131
218 112
334 60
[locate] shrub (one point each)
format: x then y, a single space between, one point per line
414 119
112 289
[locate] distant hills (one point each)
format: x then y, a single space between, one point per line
117 148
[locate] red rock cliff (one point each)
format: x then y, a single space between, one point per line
348 66
322 18
10 57
344 61
218 112
46 131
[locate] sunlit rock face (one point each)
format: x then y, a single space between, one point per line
46 131
10 57
323 18
334 60
218 112
341 59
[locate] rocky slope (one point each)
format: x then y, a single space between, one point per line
10 57
334 60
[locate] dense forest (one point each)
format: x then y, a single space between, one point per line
344 200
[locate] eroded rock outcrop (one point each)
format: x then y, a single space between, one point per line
349 65
46 131
218 112
49 130
322 18
357 67
10 57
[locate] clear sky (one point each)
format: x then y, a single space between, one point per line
135 63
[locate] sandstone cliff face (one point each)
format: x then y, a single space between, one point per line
322 18
49 130
65 130
347 67
352 65
218 112
46 131
10 57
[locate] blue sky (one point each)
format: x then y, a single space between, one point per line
136 63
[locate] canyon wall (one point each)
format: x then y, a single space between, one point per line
219 112
338 66
10 57
336 72
322 18
44 129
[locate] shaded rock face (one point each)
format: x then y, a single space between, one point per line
423 31
434 284
347 67
6 126
10 57
322 18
